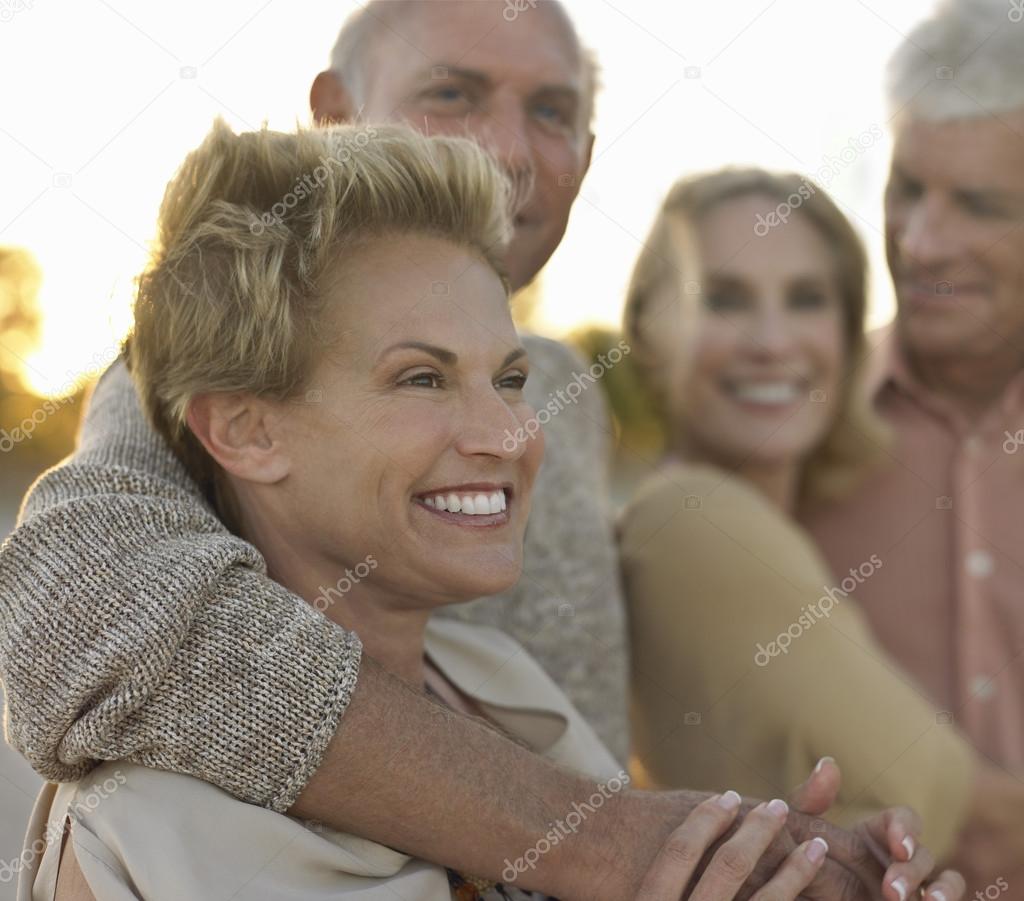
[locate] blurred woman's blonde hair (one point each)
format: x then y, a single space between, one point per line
665 296
253 229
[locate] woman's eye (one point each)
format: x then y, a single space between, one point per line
723 302
808 300
424 380
514 380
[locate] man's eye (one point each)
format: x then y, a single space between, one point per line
447 95
550 113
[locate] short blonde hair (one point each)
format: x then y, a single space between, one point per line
252 229
669 265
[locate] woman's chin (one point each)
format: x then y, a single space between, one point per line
460 584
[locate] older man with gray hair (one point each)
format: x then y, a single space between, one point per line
948 377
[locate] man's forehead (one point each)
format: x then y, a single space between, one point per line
536 47
987 147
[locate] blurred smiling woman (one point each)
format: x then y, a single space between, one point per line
752 663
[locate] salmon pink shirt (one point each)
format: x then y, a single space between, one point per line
946 518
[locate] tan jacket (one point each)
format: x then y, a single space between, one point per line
750 662
145 833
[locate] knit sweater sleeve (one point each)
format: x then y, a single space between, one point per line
134 626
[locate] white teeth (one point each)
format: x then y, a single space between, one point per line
469 504
766 392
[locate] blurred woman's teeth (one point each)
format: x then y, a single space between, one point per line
766 392
468 504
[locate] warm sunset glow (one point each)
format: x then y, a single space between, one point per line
103 99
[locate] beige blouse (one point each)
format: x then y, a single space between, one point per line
145 833
751 662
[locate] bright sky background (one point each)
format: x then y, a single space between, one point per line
102 99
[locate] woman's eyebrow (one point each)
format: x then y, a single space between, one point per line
448 357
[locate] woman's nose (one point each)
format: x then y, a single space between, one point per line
770 334
490 427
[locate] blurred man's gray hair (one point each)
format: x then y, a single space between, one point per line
348 57
965 61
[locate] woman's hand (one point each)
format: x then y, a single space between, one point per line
733 862
894 836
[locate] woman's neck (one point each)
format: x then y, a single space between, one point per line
391 629
779 482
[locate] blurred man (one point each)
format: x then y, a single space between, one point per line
948 376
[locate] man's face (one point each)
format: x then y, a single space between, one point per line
955 236
460 67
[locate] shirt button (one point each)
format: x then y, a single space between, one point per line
980 564
982 687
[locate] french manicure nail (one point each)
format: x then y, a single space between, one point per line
900 887
817 850
730 800
937 894
822 762
908 843
778 808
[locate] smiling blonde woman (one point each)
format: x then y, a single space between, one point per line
339 372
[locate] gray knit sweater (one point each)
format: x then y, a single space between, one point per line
134 626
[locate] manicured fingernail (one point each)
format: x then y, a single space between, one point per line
937 894
908 843
822 762
817 850
778 808
900 887
730 800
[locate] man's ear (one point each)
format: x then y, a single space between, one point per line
241 433
330 101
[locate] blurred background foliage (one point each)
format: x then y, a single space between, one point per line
35 432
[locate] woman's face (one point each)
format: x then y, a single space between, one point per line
412 404
768 354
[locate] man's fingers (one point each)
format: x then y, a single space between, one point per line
679 857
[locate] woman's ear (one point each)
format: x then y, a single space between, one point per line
329 100
241 433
